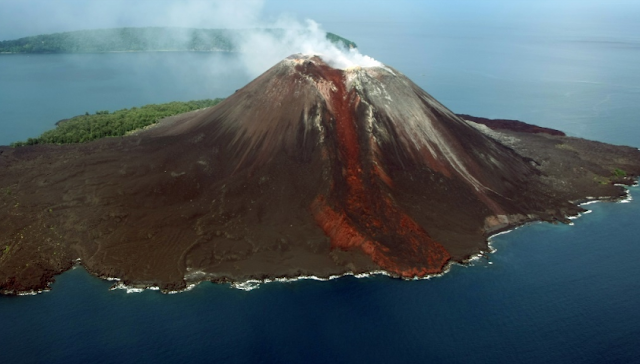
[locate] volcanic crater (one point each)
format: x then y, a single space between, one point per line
307 170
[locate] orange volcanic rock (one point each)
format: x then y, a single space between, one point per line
308 170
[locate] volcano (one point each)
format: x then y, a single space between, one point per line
307 170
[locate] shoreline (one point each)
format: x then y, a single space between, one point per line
622 199
253 284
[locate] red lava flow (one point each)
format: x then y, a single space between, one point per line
363 219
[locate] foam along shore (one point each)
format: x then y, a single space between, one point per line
591 200
251 284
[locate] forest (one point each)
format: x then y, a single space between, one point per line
141 40
88 127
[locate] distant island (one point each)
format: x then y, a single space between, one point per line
147 39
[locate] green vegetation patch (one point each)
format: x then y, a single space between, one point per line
102 124
336 39
619 173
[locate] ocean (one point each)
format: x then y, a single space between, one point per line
548 293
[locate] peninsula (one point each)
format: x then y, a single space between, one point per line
307 170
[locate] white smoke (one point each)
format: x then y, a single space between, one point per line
261 49
264 42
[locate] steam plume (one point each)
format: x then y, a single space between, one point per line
260 50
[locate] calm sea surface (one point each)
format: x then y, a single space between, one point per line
550 293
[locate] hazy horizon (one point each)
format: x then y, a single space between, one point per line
22 18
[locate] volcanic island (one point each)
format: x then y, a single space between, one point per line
309 170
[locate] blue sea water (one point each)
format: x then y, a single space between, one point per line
38 90
550 293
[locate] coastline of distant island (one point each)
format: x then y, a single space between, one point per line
148 39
